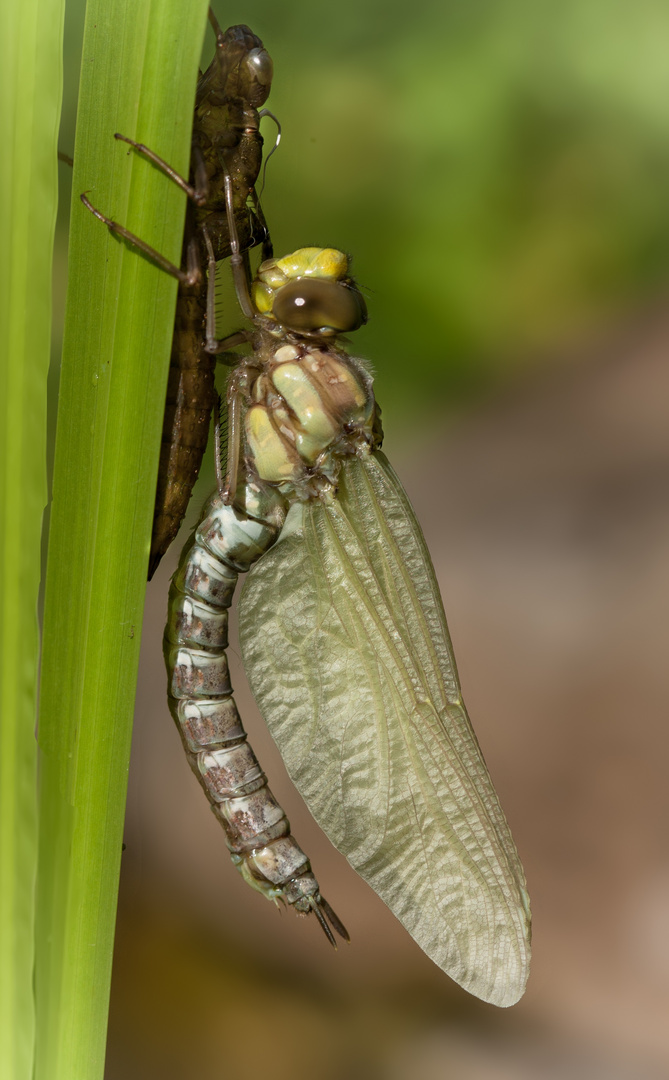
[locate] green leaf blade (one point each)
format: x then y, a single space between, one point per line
30 97
139 70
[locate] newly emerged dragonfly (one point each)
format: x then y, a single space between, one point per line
226 156
345 645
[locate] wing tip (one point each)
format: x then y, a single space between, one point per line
505 984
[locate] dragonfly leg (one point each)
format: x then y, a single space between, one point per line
238 390
227 486
227 482
235 401
267 246
198 193
199 168
190 276
239 271
212 344
218 454
240 337
224 480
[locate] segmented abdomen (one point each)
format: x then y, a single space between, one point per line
200 697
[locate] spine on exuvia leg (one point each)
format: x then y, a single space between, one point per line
227 542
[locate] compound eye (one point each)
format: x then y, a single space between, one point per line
260 69
312 305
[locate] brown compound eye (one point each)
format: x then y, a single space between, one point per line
316 306
260 67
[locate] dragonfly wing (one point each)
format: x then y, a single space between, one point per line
348 654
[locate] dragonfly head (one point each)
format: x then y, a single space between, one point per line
241 70
309 293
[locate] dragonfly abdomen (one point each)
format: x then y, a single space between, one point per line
257 830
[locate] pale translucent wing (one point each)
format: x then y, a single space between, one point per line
347 651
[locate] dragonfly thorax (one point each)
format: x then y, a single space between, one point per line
310 406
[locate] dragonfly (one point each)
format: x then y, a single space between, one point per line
226 157
344 643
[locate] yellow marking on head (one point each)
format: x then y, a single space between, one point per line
314 262
328 264
262 296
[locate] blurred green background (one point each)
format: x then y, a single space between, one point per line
499 169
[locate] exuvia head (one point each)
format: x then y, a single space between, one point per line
309 293
240 71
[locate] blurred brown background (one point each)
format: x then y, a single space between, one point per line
500 171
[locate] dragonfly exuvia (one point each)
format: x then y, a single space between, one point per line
226 155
